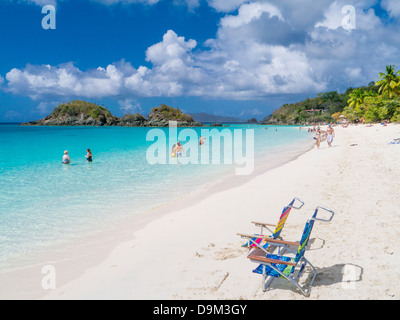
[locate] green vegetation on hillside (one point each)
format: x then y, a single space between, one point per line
371 106
76 108
82 113
376 102
311 110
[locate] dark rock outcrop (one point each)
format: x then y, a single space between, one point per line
160 117
133 120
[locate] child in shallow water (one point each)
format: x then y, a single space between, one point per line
66 158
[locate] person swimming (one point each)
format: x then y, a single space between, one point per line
66 158
89 155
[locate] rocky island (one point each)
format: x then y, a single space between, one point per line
82 113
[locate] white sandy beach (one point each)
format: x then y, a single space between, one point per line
194 252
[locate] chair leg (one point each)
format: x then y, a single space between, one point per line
313 278
305 292
267 283
291 278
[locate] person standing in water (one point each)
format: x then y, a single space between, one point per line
66 158
179 149
89 155
202 140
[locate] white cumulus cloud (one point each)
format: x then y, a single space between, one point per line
250 12
392 7
226 6
261 48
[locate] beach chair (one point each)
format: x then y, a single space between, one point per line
290 266
257 239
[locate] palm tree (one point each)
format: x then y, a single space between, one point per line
356 98
357 107
389 82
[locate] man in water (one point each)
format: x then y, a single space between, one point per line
179 149
330 134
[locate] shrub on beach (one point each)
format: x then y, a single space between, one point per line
396 115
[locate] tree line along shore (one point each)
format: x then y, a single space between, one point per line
376 102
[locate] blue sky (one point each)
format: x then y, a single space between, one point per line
226 57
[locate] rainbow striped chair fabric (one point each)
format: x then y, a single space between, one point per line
257 240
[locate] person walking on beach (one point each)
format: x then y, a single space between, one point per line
66 158
330 134
318 137
89 155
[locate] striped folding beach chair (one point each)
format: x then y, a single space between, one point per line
290 266
257 239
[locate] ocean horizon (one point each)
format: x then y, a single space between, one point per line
46 205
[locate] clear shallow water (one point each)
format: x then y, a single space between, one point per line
44 204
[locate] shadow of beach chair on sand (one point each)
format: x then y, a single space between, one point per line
290 266
257 240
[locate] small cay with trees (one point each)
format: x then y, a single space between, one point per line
82 113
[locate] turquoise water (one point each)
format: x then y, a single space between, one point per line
44 204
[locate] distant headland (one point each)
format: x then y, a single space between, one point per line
82 113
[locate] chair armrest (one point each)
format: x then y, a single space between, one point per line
258 255
249 236
289 243
268 239
262 224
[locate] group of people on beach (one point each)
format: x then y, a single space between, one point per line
67 159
